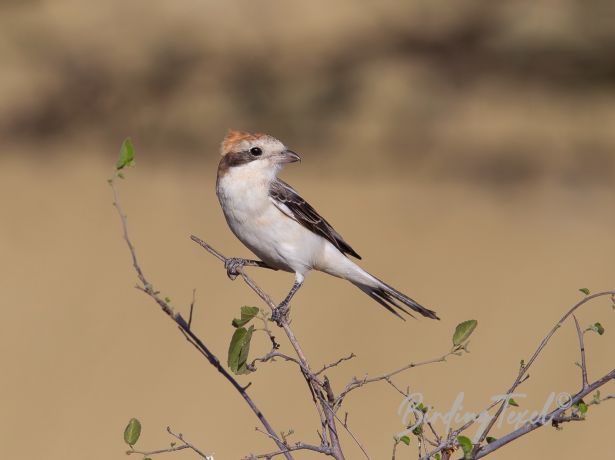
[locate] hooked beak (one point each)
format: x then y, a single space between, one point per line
288 156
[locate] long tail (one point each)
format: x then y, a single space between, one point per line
390 298
393 300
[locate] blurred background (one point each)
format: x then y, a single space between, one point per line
465 150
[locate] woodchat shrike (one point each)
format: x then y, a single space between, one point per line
282 229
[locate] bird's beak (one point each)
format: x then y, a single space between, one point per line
288 156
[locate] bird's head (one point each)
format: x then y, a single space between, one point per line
257 152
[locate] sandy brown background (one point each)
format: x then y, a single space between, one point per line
465 149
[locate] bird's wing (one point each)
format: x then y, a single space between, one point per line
287 200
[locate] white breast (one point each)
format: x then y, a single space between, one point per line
273 236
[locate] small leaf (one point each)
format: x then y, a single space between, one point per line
466 445
127 155
584 291
438 456
490 439
582 407
417 431
167 299
132 432
597 397
463 331
239 349
597 327
405 440
173 444
512 402
247 313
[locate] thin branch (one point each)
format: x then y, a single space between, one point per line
184 326
158 451
395 443
582 348
271 357
450 441
314 384
553 415
336 363
328 405
542 344
185 445
297 446
357 383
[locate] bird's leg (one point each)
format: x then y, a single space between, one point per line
280 313
234 264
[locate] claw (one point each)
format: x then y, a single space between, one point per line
232 266
280 313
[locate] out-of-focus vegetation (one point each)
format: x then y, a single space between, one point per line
507 92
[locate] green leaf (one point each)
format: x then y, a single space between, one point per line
247 313
466 445
239 349
132 432
512 402
463 331
127 155
584 291
438 456
490 439
582 407
597 327
405 440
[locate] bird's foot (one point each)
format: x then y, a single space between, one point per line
233 265
280 313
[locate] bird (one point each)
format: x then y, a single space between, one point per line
282 229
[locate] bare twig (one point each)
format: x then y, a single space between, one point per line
185 445
336 363
357 383
450 441
542 344
184 326
271 357
582 348
316 386
553 415
297 446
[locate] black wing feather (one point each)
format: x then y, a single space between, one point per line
307 216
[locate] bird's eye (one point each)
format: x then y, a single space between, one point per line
256 151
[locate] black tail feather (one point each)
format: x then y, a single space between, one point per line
392 299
